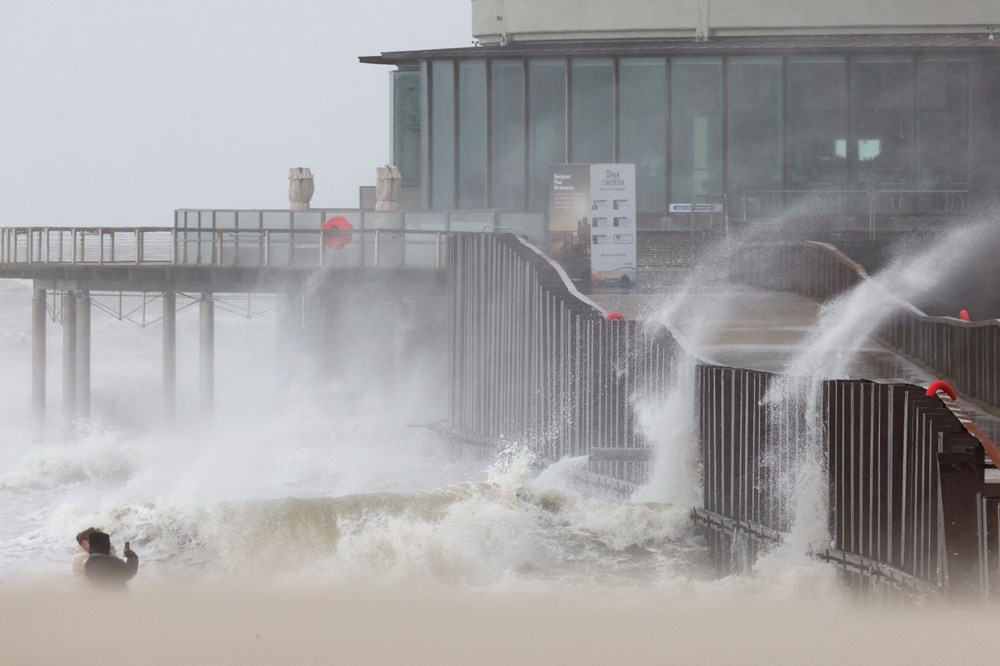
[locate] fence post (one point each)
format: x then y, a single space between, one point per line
871 215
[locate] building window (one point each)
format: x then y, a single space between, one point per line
642 128
592 111
546 126
507 134
754 123
442 116
695 128
472 134
942 124
882 105
817 122
406 124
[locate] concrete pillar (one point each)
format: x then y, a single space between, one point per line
69 354
207 356
169 353
38 315
83 354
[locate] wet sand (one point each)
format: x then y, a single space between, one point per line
362 625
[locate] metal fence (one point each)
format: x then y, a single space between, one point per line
219 248
266 239
909 505
860 211
535 363
531 225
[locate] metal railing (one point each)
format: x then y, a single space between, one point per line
856 208
526 223
534 362
909 504
267 248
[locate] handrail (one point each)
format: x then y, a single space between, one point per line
872 196
219 247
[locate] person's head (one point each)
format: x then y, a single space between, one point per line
100 543
83 538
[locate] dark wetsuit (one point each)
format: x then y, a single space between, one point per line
107 571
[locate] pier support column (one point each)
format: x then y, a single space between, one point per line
207 316
38 315
169 353
69 354
83 354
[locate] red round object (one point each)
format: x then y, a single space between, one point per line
941 385
337 232
615 316
964 315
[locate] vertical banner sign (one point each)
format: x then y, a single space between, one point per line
612 227
569 198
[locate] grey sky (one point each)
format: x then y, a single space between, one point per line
115 112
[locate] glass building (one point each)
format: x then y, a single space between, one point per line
754 123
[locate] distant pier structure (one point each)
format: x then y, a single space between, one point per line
296 255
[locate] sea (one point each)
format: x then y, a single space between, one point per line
316 517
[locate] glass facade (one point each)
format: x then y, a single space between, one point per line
642 127
942 124
507 168
754 125
592 110
472 134
817 123
406 124
442 133
693 126
882 90
546 126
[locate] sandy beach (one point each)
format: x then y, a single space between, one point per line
368 625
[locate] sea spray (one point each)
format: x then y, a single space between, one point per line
844 325
669 426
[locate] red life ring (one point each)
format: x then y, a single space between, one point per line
337 232
941 385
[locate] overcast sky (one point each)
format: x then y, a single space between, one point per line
116 112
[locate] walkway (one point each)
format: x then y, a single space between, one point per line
763 330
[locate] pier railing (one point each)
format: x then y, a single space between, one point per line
862 211
909 504
535 363
267 239
219 248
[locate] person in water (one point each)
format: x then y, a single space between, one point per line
104 569
81 555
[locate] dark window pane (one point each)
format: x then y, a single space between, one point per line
817 122
695 127
442 135
472 134
882 100
546 125
642 128
406 124
943 124
507 134
591 111
755 160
